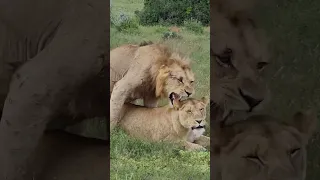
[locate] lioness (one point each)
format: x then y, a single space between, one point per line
262 148
148 71
183 124
239 57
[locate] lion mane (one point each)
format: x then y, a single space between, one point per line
148 71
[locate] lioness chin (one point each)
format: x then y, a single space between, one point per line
183 124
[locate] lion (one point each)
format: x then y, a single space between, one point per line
184 123
239 58
262 147
54 66
149 71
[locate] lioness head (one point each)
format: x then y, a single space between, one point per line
175 76
192 112
263 148
238 61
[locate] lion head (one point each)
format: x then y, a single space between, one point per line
174 75
262 147
191 112
238 64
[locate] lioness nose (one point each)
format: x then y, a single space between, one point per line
188 93
252 102
199 121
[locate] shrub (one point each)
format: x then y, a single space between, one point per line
193 25
171 35
174 12
125 23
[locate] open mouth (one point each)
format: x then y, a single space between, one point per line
198 127
173 96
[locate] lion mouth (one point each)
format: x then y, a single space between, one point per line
173 96
198 127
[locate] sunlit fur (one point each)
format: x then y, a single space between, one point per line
172 124
149 72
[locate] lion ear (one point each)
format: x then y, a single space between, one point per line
205 100
305 122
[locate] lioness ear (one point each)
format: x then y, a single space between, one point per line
162 75
205 100
305 122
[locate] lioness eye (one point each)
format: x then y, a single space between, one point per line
261 65
191 82
188 111
180 79
201 109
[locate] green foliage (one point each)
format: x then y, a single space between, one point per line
193 25
171 35
124 23
174 12
134 159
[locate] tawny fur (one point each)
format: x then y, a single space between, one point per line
147 72
238 73
262 147
167 123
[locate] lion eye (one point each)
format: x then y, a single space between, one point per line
201 109
189 111
254 158
261 65
180 79
191 82
294 151
225 57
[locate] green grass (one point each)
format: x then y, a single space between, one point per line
135 159
293 27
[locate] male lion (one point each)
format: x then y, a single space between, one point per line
239 57
148 71
53 68
183 124
262 148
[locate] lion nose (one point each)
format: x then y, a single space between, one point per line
188 93
199 121
252 102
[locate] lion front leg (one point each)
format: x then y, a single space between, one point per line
192 146
203 141
121 91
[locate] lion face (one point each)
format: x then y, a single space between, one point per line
192 112
238 64
263 148
177 79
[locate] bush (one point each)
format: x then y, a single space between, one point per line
171 35
125 23
174 12
193 25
